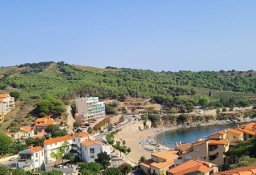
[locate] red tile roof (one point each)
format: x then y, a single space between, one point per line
91 142
44 121
192 166
36 149
248 170
147 163
64 138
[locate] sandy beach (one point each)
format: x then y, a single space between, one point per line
134 139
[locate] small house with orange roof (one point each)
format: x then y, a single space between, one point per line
248 170
249 130
160 162
31 158
24 133
209 150
193 167
90 149
43 123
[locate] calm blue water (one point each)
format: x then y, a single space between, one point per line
169 138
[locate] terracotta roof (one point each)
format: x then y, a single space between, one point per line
184 147
191 166
26 128
36 149
91 142
58 139
44 121
167 155
248 170
246 131
218 142
9 133
64 138
234 131
199 143
249 126
161 165
4 95
147 163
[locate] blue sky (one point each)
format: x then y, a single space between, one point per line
148 34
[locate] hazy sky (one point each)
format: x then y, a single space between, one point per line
149 34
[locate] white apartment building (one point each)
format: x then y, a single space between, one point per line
73 142
31 158
90 108
90 149
81 144
6 104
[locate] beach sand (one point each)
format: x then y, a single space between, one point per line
133 136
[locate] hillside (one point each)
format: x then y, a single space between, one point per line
65 81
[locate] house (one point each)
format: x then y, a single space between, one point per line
73 142
193 167
24 133
234 136
43 123
90 149
248 130
209 150
31 158
248 170
160 162
6 103
90 108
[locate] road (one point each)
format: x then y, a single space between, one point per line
129 118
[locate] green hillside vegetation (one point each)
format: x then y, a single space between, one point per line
64 81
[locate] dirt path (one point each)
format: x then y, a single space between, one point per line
70 120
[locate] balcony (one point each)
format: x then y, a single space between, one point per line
213 149
213 157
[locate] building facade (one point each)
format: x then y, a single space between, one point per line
31 158
6 104
90 149
90 108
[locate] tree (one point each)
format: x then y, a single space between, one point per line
70 157
54 172
89 130
142 159
112 171
103 159
50 105
4 170
19 172
15 94
125 168
5 143
59 133
89 168
59 152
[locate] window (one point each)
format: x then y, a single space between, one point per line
36 155
92 157
42 153
197 149
92 150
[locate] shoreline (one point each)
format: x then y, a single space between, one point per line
225 122
144 142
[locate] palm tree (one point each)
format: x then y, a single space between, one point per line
60 152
